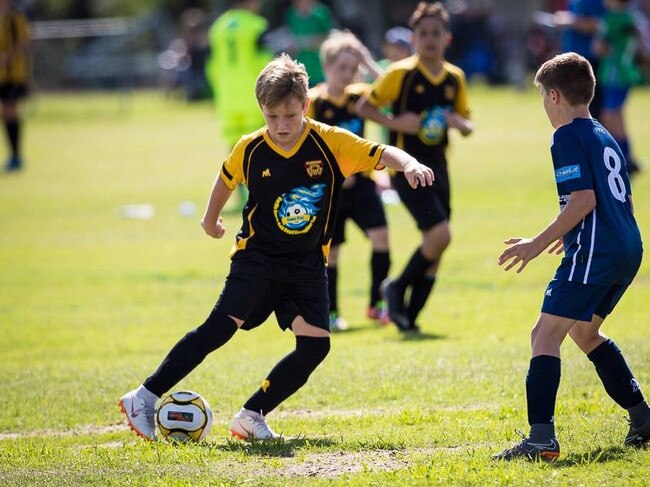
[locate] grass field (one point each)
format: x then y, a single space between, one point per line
90 303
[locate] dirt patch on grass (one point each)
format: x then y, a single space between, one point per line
330 465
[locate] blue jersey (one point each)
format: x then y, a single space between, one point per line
574 41
605 247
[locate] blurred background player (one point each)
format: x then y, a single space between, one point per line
618 47
427 96
334 102
14 76
598 234
237 55
580 23
309 22
397 45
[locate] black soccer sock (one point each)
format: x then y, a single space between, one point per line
290 374
379 266
13 134
420 292
190 351
332 287
416 267
542 383
615 375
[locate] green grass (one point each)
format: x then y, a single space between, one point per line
91 302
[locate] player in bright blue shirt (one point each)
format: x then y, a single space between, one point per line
602 244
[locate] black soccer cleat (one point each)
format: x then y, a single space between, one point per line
549 450
394 298
638 436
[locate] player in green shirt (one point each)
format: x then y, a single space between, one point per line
617 46
237 56
310 22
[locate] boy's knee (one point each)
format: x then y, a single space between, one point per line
311 351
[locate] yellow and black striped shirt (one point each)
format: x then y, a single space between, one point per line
293 195
407 86
14 33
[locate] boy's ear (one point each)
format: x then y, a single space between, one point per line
555 95
305 106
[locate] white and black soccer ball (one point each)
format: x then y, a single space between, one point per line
184 416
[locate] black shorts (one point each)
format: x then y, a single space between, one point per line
12 91
429 205
362 205
252 294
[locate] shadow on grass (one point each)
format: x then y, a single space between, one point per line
597 455
276 447
412 336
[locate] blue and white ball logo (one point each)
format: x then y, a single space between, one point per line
432 126
296 211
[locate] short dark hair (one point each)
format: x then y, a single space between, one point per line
433 10
282 79
571 75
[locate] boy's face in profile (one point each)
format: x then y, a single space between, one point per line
430 39
342 70
284 120
551 106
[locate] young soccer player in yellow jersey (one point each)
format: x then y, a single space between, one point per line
333 102
293 168
14 76
427 96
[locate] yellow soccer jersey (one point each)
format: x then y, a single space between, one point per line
293 195
407 86
14 30
338 111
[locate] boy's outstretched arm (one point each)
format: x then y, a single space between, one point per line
523 250
212 222
407 122
414 172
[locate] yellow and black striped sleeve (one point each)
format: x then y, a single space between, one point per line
386 89
232 170
353 153
461 106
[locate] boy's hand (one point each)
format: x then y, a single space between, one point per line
417 173
522 251
557 247
217 230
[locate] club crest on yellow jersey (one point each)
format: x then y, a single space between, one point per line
297 211
432 126
314 168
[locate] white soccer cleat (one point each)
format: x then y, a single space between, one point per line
249 424
139 413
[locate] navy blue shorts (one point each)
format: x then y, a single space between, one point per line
428 205
581 301
613 97
361 204
251 294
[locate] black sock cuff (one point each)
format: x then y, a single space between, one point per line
602 351
545 364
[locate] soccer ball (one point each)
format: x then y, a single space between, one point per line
184 416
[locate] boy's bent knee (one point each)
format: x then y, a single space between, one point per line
311 351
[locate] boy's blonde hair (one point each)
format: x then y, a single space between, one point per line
433 10
571 75
337 42
282 79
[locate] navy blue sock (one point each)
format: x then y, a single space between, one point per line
615 375
379 266
332 287
542 383
290 374
190 351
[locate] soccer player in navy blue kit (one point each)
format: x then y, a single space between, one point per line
602 248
